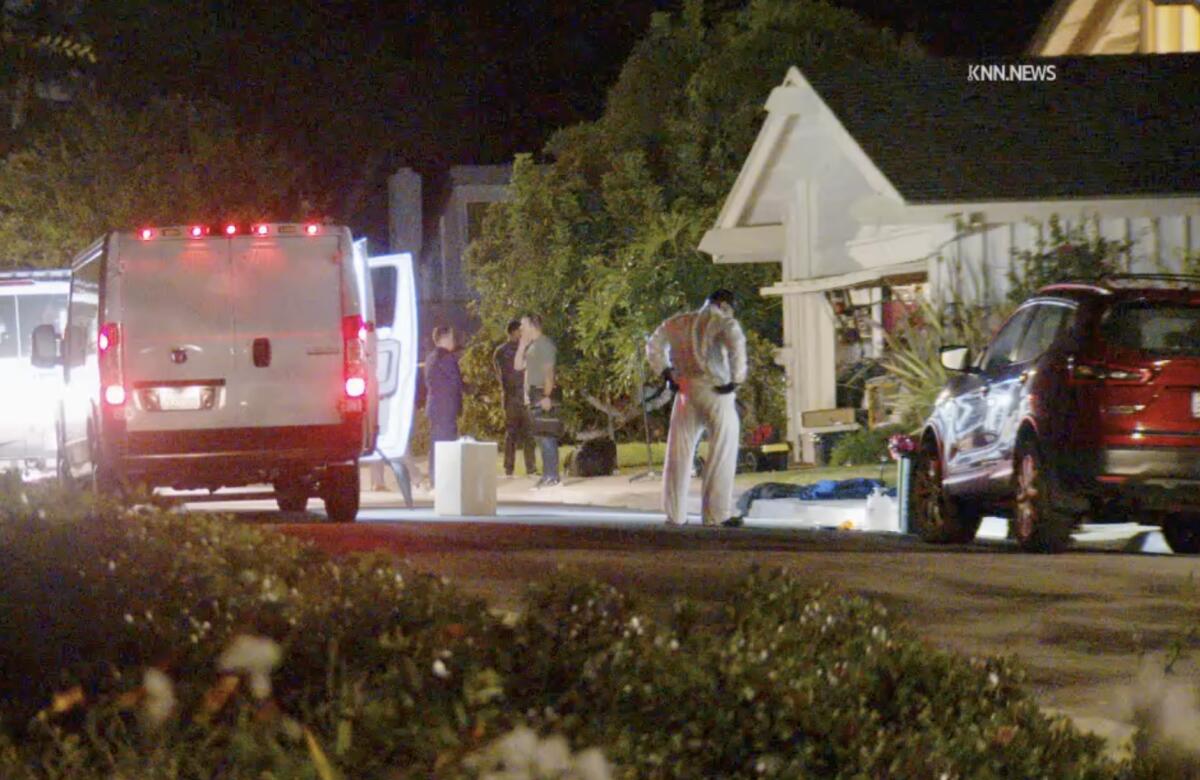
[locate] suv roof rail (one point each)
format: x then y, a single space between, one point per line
1109 282
1179 278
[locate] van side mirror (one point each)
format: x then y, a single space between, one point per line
956 358
45 347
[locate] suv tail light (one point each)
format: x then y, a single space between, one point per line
108 344
1109 374
354 355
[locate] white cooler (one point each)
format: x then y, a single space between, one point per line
465 477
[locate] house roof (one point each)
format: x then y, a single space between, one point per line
1104 127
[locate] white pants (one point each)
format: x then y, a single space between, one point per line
699 408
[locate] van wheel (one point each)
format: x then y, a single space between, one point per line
1182 533
61 466
291 495
1039 524
940 518
340 490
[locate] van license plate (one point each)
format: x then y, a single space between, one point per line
175 399
1196 403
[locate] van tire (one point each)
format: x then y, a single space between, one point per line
340 491
291 495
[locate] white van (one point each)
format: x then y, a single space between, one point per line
208 358
29 394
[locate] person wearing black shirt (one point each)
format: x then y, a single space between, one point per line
516 417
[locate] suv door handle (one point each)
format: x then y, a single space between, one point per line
262 352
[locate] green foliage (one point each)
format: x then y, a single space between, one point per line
1065 252
389 673
867 446
98 167
1189 262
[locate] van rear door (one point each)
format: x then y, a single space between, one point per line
176 325
394 288
287 302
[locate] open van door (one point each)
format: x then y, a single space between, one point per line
395 291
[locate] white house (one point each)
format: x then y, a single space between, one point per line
871 181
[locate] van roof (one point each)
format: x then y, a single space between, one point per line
233 229
21 278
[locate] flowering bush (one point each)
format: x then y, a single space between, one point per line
149 643
900 445
864 447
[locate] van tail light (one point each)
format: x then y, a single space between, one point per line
1101 373
110 336
354 355
108 343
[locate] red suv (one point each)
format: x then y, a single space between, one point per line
1086 404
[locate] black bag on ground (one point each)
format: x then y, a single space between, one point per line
595 458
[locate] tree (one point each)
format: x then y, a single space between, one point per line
38 47
1064 252
97 168
601 238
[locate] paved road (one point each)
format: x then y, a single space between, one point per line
1079 621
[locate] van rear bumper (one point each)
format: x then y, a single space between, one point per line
233 456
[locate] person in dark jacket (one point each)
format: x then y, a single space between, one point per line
443 391
516 418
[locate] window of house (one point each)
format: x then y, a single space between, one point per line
475 214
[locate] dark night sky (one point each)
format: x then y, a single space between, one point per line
372 86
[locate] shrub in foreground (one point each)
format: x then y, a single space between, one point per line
144 637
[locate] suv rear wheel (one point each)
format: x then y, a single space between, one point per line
291 495
937 516
340 490
1040 523
1182 533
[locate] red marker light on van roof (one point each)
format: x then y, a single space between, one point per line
230 230
311 229
147 234
195 231
261 229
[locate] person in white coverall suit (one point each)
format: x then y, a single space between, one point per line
702 355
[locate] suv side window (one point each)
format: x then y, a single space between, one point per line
1003 349
1049 319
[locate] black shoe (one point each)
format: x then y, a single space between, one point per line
733 522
